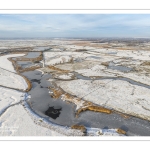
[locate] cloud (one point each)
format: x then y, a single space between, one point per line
53 28
91 25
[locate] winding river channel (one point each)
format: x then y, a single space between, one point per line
41 100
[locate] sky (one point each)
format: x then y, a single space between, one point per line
74 25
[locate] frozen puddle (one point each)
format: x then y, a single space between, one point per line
120 68
41 100
32 55
25 64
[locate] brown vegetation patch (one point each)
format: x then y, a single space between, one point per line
17 67
85 105
29 69
56 92
80 50
28 83
58 76
125 116
69 97
120 131
105 64
79 127
94 108
58 69
76 100
146 63
81 43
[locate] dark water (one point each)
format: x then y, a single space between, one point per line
53 112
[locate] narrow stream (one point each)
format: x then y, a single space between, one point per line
79 76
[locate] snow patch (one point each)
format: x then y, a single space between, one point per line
12 80
6 64
9 97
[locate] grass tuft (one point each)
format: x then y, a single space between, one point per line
79 127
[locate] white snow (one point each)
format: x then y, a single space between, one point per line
67 76
12 80
64 76
102 132
97 70
17 122
138 77
53 58
76 101
58 60
140 55
6 64
9 97
102 71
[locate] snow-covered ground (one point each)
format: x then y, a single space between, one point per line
17 122
9 97
6 64
53 58
67 76
12 80
9 44
140 55
102 132
58 60
97 70
117 94
89 61
101 71
14 120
